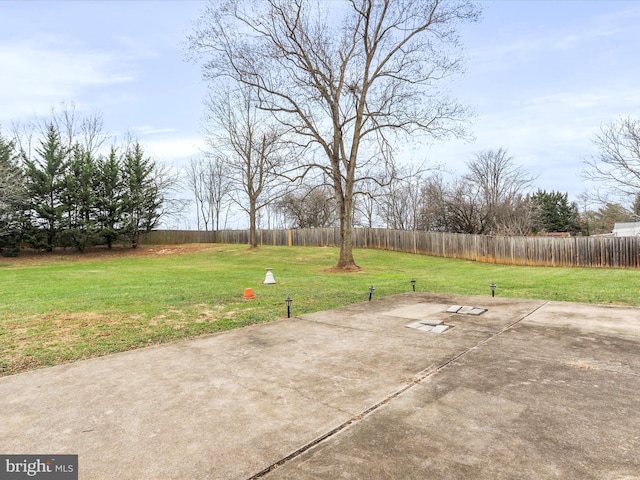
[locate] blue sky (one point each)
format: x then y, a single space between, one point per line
542 76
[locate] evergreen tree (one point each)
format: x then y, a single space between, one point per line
79 198
554 213
12 199
109 198
45 186
141 194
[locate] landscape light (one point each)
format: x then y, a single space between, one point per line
288 302
371 289
413 284
493 289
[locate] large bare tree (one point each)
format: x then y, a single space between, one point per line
401 204
86 130
13 198
499 185
347 77
616 165
11 182
208 178
366 204
251 145
490 198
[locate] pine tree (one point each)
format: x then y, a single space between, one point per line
109 198
45 185
12 199
141 198
554 213
79 198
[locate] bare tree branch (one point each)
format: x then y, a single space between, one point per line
616 166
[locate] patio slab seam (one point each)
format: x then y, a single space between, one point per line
418 379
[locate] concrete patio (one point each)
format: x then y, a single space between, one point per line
524 390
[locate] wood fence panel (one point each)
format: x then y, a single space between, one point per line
596 252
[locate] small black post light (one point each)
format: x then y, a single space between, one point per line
288 301
413 284
493 289
371 289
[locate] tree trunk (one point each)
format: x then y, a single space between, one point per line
346 261
253 237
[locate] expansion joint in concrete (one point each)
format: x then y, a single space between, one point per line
428 372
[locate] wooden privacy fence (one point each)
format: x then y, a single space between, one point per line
611 252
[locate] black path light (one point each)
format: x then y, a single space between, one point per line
371 289
288 302
493 289
413 284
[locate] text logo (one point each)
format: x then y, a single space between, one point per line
45 467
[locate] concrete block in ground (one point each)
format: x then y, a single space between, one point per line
440 328
426 328
414 325
433 323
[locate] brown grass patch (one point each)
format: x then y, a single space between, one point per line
29 257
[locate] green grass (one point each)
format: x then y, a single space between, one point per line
64 308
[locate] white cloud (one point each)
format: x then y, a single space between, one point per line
149 130
540 38
549 134
573 40
43 70
175 150
543 84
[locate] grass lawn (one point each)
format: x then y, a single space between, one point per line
64 307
